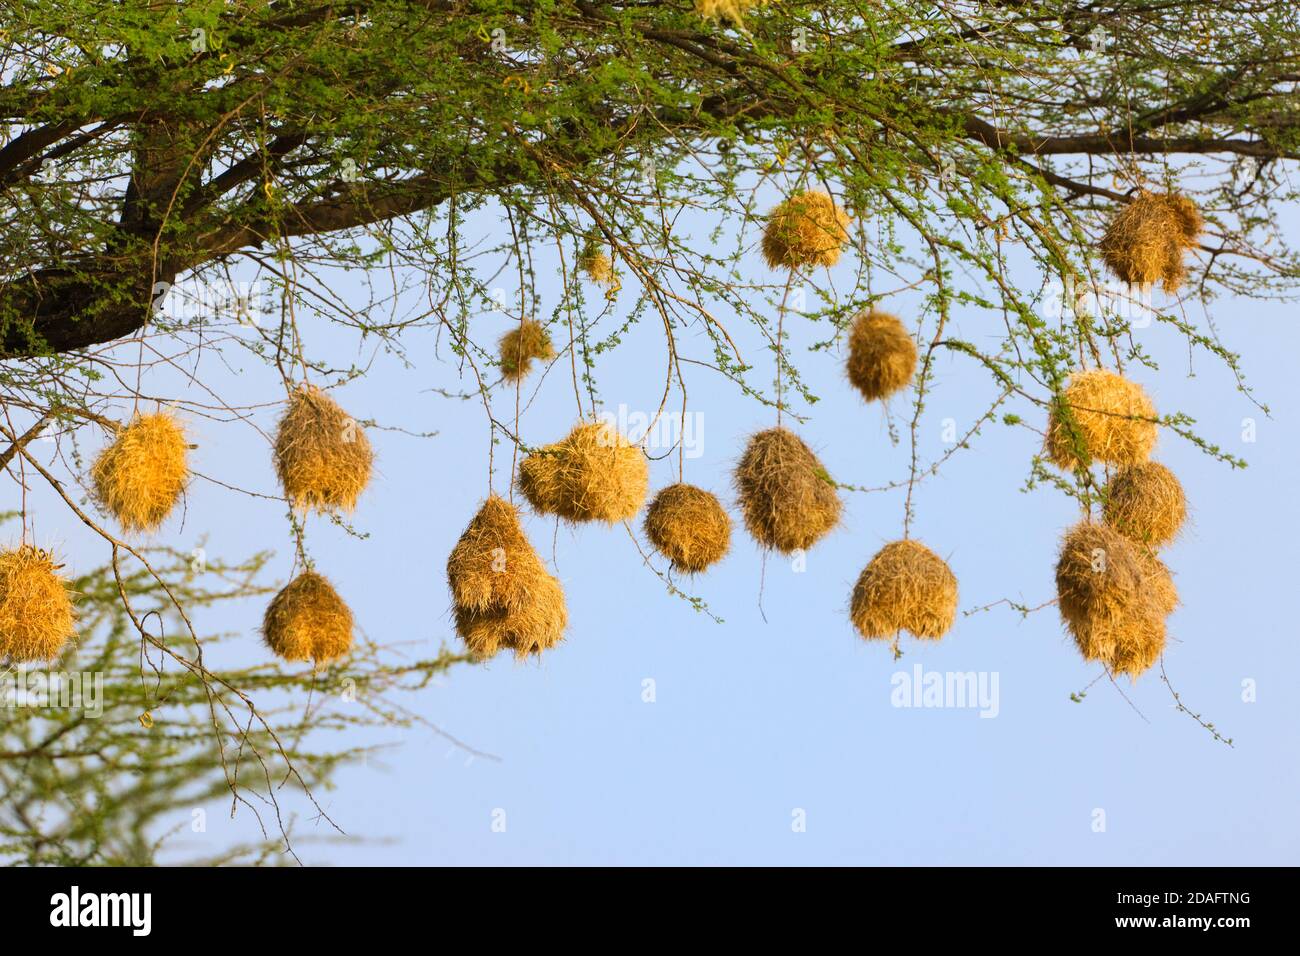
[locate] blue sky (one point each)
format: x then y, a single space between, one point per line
758 725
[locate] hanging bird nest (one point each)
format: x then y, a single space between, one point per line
537 626
1145 241
1114 597
1100 416
731 11
905 587
1145 502
882 355
689 527
808 229
596 265
502 594
521 346
308 620
36 615
322 455
786 495
594 474
139 478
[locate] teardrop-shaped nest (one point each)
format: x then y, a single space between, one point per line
322 455
594 474
140 476
502 595
905 587
308 620
1114 597
882 355
689 526
787 497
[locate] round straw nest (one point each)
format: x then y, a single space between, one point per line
905 587
322 455
140 476
808 229
1114 597
36 616
594 474
689 527
308 620
882 355
502 595
1146 240
596 265
786 495
1145 502
521 345
1100 416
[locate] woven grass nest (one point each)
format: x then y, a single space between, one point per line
788 499
905 587
308 620
882 355
1114 597
322 455
1145 241
732 11
521 346
808 229
1145 502
594 474
36 614
689 526
594 262
502 595
1100 416
140 476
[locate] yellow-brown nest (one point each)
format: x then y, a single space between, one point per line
36 615
1114 597
522 345
1100 416
322 455
593 474
732 11
502 595
788 499
808 229
1145 241
905 587
689 526
594 262
1146 503
308 620
882 355
139 478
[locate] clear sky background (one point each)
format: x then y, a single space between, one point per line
754 720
